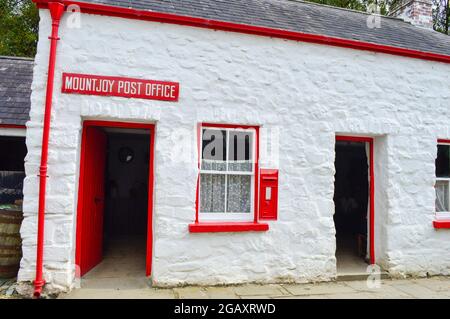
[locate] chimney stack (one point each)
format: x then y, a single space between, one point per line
417 12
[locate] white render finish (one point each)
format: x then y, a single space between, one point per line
308 92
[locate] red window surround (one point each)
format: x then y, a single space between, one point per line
439 224
206 227
445 223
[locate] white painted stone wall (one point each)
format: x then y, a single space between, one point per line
310 92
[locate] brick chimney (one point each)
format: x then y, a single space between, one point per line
417 12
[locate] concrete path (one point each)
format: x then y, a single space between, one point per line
435 287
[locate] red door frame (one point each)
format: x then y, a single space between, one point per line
151 178
371 189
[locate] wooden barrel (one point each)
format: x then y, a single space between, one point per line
10 242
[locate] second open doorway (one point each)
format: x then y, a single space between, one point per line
353 206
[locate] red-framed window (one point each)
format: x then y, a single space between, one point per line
228 173
227 186
442 185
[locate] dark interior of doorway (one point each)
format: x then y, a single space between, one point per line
126 203
12 171
351 199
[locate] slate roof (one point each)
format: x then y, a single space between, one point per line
16 75
294 15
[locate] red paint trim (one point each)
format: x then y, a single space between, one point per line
114 11
151 181
133 125
361 139
256 175
56 11
21 127
369 140
199 159
441 224
151 186
232 126
372 204
226 227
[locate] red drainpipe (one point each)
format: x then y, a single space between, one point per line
56 12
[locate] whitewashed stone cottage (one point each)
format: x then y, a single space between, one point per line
235 141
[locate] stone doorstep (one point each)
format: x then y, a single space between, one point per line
359 276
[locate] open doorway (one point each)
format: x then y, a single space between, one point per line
114 236
12 174
12 170
352 200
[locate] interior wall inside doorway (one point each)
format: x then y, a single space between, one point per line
126 191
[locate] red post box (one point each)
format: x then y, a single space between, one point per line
268 194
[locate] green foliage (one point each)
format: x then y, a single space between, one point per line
19 21
359 5
441 15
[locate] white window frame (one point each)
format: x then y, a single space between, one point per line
227 216
442 215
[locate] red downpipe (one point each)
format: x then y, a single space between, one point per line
56 11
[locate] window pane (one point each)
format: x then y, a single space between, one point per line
212 165
239 194
213 149
212 193
443 161
442 199
240 152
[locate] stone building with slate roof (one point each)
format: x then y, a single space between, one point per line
226 141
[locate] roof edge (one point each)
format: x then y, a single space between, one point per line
7 57
130 13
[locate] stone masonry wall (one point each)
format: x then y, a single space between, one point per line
308 92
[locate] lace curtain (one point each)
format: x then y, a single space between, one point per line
212 193
442 196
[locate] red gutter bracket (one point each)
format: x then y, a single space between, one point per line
56 12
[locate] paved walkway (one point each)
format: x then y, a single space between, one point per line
8 288
435 287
